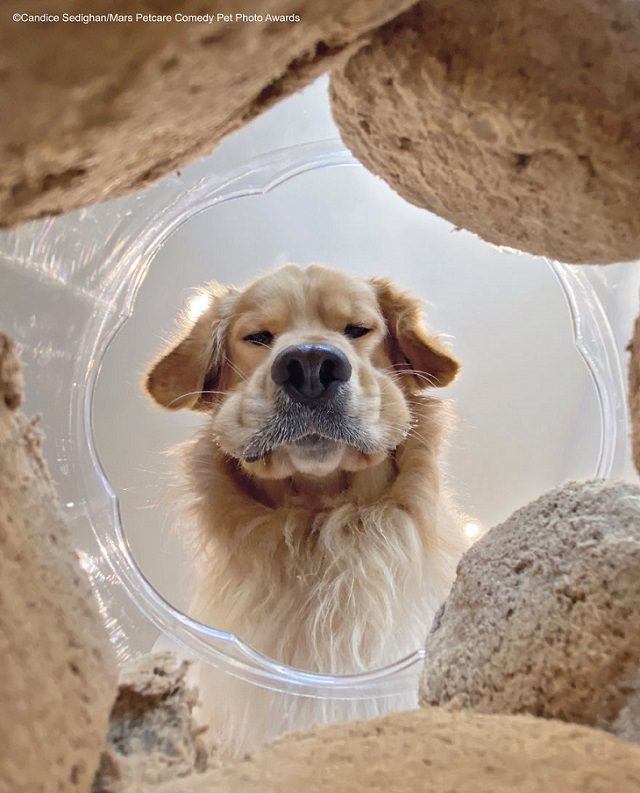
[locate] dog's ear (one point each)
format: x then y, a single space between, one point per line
192 366
426 361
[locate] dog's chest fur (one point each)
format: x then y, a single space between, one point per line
326 593
346 583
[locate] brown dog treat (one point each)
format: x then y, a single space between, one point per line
517 120
57 679
432 751
93 111
152 735
543 616
11 380
634 393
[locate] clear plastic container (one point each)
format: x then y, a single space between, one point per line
89 297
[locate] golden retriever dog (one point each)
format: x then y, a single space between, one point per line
324 539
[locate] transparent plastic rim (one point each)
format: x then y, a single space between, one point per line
128 262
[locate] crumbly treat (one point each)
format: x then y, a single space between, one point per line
543 616
431 751
57 675
153 736
93 111
11 380
516 119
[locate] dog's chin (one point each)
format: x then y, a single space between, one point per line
315 455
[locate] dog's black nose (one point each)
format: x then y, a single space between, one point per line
310 373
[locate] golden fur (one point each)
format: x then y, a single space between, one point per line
331 561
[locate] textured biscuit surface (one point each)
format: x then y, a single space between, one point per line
432 751
517 119
152 736
90 112
543 617
57 677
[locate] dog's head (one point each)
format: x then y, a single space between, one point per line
305 370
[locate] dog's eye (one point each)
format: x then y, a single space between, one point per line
262 338
356 331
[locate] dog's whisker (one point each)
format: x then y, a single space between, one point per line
428 378
193 393
234 368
